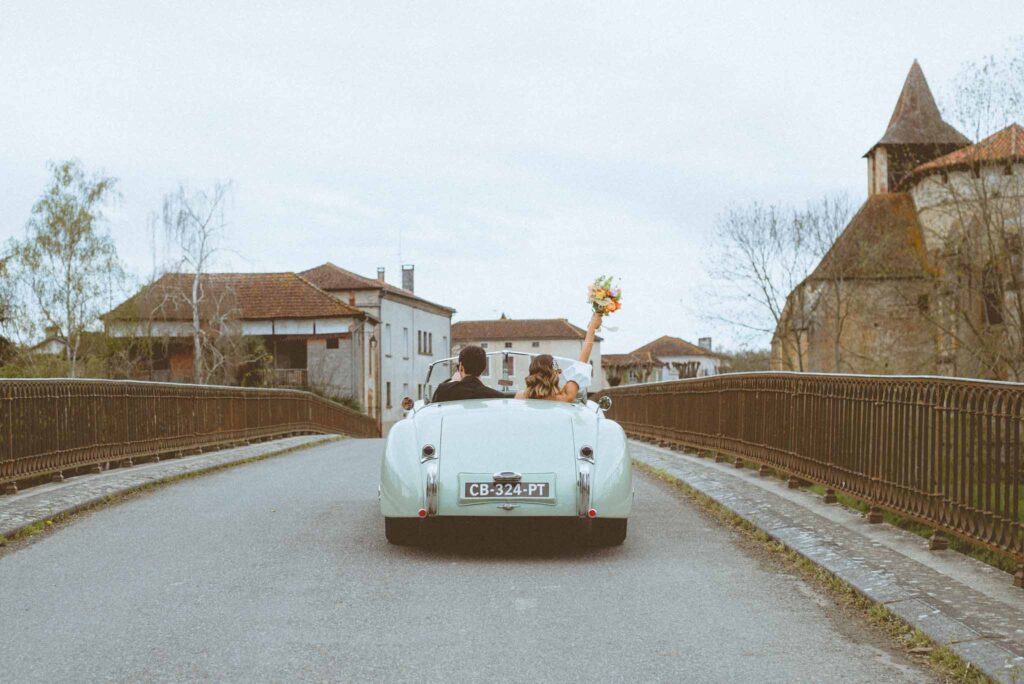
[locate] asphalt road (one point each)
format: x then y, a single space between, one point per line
278 571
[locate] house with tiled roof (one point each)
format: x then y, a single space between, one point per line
921 280
414 332
666 358
304 336
555 336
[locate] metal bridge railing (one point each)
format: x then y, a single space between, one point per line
945 452
50 426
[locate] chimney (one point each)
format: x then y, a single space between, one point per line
407 279
380 273
704 343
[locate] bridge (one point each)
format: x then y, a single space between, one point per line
278 570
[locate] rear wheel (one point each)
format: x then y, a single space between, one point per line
608 532
402 531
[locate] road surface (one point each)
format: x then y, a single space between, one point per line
279 571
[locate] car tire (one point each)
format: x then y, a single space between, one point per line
402 531
608 532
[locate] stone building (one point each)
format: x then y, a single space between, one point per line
923 279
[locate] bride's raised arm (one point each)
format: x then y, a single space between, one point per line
588 342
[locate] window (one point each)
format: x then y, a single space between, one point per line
405 390
405 343
483 345
332 343
387 342
387 395
508 345
991 295
446 350
510 366
487 369
424 342
419 391
535 344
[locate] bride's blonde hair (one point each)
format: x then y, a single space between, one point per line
542 382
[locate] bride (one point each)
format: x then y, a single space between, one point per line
543 380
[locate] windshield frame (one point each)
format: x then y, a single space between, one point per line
562 361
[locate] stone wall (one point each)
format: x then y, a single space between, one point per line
881 328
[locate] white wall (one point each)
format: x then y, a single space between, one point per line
405 367
708 365
943 206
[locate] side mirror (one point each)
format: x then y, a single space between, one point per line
604 403
407 403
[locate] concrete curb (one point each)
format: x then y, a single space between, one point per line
52 502
956 601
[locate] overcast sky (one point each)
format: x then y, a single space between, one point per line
511 151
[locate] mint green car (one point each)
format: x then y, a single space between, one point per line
506 458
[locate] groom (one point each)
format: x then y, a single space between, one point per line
465 383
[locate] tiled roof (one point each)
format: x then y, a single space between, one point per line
517 329
884 239
630 360
248 296
672 346
916 118
330 277
1006 145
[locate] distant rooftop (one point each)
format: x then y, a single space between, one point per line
517 329
673 346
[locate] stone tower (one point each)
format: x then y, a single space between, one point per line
916 134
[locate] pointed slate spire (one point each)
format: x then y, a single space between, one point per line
916 119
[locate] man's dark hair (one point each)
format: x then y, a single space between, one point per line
473 359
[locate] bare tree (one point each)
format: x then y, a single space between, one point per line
988 95
194 225
976 214
67 267
823 222
761 255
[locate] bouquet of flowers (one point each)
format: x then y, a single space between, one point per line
604 297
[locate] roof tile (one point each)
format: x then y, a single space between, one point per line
672 346
517 329
251 296
884 239
328 276
916 119
1006 145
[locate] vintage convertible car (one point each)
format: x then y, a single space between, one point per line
506 458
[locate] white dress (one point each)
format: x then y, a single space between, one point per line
578 372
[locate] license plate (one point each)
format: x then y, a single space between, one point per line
507 490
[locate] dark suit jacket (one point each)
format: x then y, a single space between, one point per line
469 387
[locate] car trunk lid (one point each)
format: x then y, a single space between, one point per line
536 445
